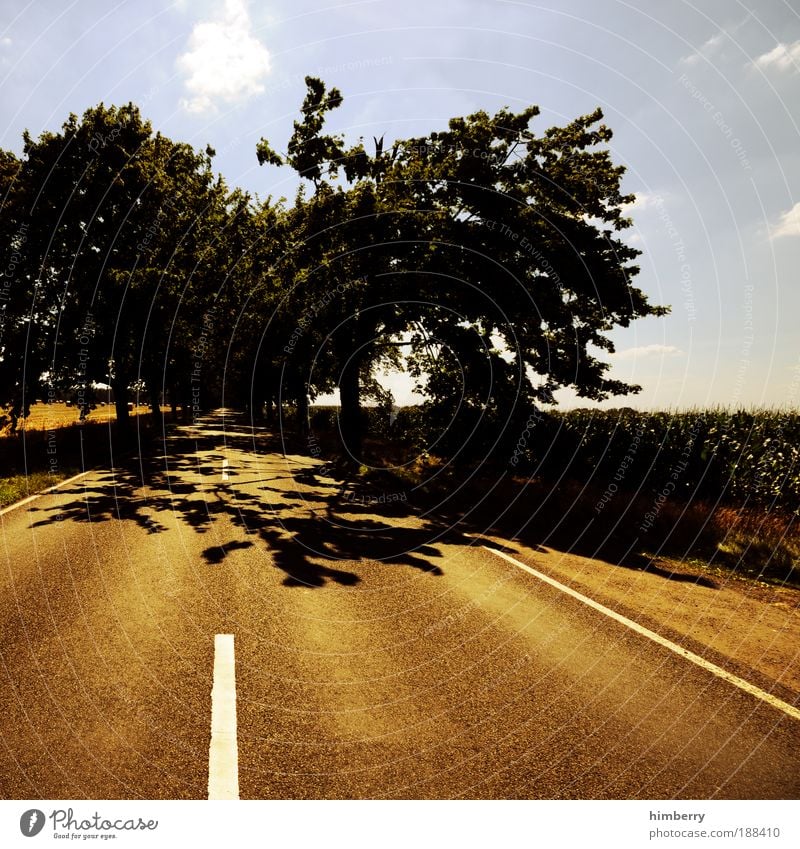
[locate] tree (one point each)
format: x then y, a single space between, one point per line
253 240
22 348
120 224
483 237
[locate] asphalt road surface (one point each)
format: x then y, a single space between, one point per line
375 652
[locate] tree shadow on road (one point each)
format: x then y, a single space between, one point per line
310 520
310 525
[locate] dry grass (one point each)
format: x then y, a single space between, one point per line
759 543
58 414
54 441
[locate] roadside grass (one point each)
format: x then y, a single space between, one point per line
752 542
760 544
17 487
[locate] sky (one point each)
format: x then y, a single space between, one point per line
703 99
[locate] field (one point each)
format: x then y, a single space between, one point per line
51 445
59 414
731 458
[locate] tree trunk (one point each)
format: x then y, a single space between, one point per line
302 412
350 415
155 402
120 386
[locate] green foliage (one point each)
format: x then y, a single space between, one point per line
723 457
479 236
736 457
117 262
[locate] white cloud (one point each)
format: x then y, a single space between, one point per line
224 61
707 48
717 43
647 351
788 224
782 57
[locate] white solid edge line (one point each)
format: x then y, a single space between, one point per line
225 466
788 709
43 492
223 753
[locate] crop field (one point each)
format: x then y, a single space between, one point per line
721 456
740 457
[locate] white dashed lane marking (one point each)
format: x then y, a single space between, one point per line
223 755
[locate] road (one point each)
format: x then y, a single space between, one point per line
377 652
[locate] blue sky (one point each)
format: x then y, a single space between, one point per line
703 98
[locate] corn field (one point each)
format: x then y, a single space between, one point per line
727 457
741 457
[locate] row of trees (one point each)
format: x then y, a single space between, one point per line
485 257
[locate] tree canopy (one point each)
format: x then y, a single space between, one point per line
492 253
486 257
